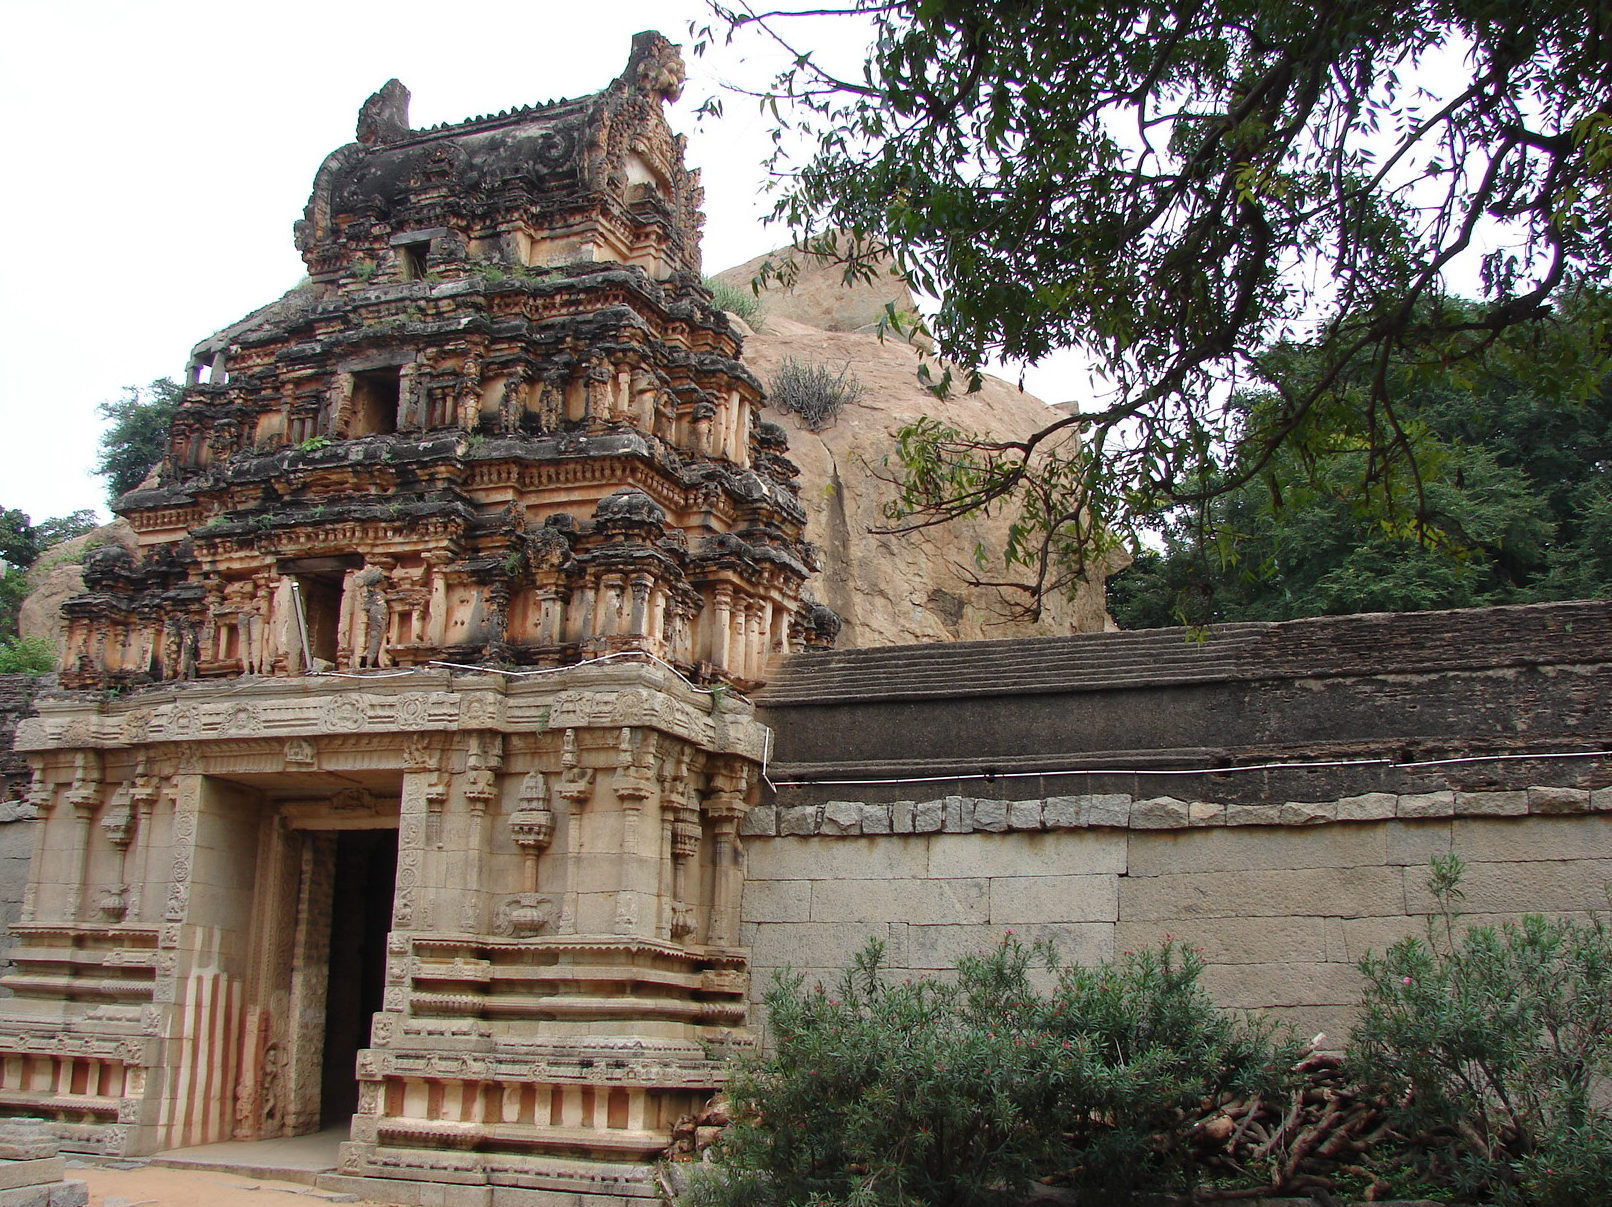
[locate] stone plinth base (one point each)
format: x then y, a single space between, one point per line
31 1168
53 1194
488 1181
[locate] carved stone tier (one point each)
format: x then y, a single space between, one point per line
501 422
558 980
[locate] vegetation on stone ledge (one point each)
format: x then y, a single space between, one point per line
814 392
734 300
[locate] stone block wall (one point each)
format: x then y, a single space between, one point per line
16 813
1283 903
16 702
1269 793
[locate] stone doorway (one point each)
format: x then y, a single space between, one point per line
321 916
360 920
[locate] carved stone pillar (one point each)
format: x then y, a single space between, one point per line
724 805
143 798
638 619
550 628
632 784
721 626
43 798
117 822
85 798
481 788
572 790
531 825
497 623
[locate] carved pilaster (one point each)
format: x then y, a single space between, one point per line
572 789
85 798
480 789
531 825
143 799
632 783
724 804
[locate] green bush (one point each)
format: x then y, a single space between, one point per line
888 1093
26 656
1495 1049
813 392
733 299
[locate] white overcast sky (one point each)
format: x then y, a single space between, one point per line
157 153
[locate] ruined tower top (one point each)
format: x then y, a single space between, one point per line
597 178
501 423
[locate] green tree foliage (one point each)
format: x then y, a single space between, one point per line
963 1092
1181 189
26 656
1515 505
21 543
138 435
1495 1048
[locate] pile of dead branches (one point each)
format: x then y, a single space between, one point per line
1303 1143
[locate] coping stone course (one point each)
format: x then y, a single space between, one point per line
1159 813
1106 809
1426 804
1024 815
971 815
990 816
1491 804
842 817
1558 800
876 819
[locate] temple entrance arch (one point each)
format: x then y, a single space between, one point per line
322 908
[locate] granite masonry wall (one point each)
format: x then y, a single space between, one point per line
16 812
1283 910
1272 795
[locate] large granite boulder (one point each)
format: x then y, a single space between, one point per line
910 587
58 575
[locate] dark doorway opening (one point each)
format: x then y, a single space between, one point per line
360 919
321 613
376 394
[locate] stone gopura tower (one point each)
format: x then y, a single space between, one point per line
500 426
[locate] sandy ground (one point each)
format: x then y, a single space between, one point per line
152 1186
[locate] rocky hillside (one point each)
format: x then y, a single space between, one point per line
892 589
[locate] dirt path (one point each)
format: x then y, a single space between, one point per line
154 1186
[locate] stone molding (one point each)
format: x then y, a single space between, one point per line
270 711
1121 810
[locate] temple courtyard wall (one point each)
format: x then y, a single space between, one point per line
1271 794
1281 913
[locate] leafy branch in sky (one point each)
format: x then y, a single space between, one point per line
1185 191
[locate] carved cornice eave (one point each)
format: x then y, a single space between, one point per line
249 719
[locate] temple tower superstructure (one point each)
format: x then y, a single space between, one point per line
501 420
420 793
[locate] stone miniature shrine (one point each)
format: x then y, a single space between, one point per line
312 830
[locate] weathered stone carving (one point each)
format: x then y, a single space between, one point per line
502 428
